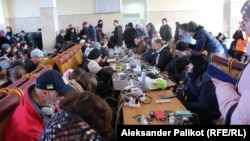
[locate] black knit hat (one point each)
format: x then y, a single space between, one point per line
94 54
181 46
130 24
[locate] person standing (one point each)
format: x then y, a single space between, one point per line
118 34
9 33
89 31
129 36
38 41
165 31
99 32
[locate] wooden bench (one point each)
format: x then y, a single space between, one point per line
221 62
10 99
236 68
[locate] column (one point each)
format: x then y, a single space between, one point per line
146 11
2 17
232 16
49 23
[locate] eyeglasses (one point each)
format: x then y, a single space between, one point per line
243 22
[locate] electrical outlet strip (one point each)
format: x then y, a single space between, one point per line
162 101
129 104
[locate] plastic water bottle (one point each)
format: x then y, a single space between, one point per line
143 78
45 52
171 119
143 120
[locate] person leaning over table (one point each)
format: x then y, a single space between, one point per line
234 99
31 115
199 91
204 40
150 54
177 67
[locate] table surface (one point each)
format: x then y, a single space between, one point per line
144 109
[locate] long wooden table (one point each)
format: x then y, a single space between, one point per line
144 109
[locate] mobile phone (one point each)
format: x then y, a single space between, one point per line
169 96
167 112
138 118
159 114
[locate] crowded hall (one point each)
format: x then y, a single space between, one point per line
83 70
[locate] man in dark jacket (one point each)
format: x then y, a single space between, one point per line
38 39
118 37
129 36
90 32
165 31
163 54
99 32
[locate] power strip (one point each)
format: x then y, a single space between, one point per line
129 104
162 101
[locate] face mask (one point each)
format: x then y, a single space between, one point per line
99 25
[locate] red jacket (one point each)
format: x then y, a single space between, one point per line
26 123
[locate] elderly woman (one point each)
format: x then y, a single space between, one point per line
234 99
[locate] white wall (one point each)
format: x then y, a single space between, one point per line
133 11
25 14
72 7
204 12
23 8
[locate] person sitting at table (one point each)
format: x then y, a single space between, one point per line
83 116
87 80
73 73
177 67
92 65
105 51
104 48
150 54
89 45
199 91
163 54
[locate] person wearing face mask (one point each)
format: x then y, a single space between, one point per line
99 32
233 100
